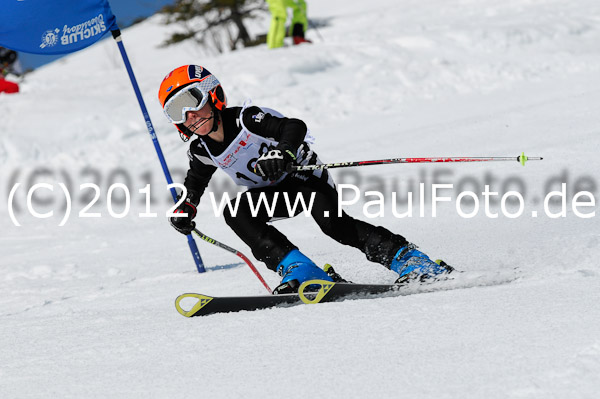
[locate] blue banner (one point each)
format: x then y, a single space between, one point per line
54 26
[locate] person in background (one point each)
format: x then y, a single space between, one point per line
298 26
8 60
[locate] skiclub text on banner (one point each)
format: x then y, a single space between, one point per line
54 27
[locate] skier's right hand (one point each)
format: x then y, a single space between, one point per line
273 164
185 224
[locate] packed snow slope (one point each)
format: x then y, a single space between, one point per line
87 309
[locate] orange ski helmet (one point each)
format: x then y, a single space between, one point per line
189 88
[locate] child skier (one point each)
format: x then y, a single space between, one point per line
254 146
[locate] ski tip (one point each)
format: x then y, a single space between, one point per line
201 301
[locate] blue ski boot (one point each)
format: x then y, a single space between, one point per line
413 265
295 268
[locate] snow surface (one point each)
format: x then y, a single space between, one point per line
86 310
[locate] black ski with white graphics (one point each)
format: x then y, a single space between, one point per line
311 292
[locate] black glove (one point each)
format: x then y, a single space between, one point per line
185 224
273 164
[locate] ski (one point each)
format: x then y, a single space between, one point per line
310 292
319 291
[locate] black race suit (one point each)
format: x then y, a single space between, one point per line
267 243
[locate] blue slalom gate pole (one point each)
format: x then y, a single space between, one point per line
117 36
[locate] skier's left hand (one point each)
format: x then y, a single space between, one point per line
272 165
185 224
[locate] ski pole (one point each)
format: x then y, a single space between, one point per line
235 251
314 26
521 159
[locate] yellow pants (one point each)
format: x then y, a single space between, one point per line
278 9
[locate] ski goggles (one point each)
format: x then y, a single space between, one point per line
190 98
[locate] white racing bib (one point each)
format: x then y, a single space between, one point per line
239 158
